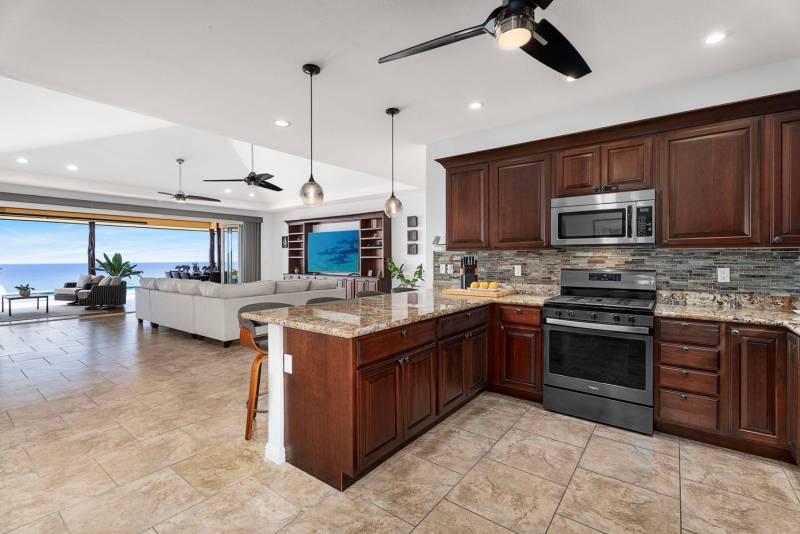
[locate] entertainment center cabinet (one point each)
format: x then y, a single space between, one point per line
374 251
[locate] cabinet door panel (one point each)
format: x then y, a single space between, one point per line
577 171
709 179
521 358
467 207
419 390
380 412
628 164
452 373
783 166
758 382
520 202
477 352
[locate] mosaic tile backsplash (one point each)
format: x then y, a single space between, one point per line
753 271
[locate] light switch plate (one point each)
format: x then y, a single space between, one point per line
449 268
723 275
442 268
287 363
518 270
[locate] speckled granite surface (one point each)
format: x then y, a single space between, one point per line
358 317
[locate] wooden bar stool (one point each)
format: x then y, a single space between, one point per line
249 337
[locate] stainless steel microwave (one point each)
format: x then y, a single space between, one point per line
626 218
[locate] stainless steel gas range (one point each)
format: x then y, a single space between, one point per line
598 347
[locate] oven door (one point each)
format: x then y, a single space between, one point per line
612 361
600 224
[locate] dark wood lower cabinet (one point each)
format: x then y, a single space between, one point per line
380 415
419 390
518 368
452 373
793 395
477 358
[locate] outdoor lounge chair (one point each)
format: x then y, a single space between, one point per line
70 290
108 295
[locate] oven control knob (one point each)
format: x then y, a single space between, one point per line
631 319
615 318
559 313
571 315
593 315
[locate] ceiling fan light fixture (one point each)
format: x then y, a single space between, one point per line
514 31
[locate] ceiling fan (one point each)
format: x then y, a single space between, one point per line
514 26
259 180
180 196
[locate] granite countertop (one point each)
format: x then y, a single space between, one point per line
357 317
766 317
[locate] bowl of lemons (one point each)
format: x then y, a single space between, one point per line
484 286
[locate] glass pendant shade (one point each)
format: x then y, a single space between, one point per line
393 206
312 193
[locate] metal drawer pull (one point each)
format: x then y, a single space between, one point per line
685 325
735 332
404 332
684 372
469 314
684 396
519 311
685 349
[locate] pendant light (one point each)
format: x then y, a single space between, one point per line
393 204
311 192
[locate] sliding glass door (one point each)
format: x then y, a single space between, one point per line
230 254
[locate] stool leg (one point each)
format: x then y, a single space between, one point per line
252 396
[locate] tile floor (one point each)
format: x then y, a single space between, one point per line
108 426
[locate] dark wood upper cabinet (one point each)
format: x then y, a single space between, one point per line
783 167
380 411
477 357
709 180
758 384
519 208
419 390
628 164
452 373
467 207
577 171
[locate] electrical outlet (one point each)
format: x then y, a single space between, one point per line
442 268
449 268
518 270
723 275
287 363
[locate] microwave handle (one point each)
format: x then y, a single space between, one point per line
630 221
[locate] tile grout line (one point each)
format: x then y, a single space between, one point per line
744 496
577 465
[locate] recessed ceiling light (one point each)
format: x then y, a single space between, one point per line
475 105
72 167
228 190
22 161
716 37
251 195
281 123
569 79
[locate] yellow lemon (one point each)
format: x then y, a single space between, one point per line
484 285
493 285
474 285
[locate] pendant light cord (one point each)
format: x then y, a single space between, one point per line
392 154
180 176
311 106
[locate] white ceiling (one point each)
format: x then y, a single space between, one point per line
232 66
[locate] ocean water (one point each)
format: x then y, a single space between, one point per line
45 277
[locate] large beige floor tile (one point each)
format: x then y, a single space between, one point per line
609 505
641 467
488 422
793 473
133 507
14 461
658 442
451 447
142 457
735 473
562 525
556 426
406 486
294 485
245 507
544 457
51 524
89 444
509 497
708 509
448 517
340 514
212 469
47 409
514 406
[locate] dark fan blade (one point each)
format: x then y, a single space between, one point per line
271 187
168 194
264 176
542 4
235 180
436 43
558 53
195 197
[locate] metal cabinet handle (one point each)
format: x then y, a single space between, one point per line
469 314
519 311
684 396
404 332
502 327
685 325
777 239
684 372
735 332
685 349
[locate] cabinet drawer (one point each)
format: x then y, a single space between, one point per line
458 322
690 332
521 315
686 356
686 380
689 410
375 347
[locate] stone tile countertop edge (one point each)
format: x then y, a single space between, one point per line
358 317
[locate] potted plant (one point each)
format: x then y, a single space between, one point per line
402 279
24 290
114 266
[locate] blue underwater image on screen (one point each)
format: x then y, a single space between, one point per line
333 252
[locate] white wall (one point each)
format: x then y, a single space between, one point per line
742 85
274 259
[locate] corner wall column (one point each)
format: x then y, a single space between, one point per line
275 450
91 249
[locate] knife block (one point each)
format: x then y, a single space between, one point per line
468 275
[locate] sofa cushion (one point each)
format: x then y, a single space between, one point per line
188 287
84 294
97 279
115 281
84 279
250 289
166 284
291 286
105 281
66 290
322 284
148 283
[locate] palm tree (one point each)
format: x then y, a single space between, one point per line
114 266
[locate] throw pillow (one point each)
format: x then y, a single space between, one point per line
115 281
105 281
83 280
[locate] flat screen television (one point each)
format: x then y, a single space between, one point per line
333 252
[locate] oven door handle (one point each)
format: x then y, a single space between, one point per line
600 326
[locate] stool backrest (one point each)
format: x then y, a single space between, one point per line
258 306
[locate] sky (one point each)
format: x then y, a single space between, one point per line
46 242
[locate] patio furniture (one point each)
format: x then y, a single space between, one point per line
249 336
168 274
175 274
185 275
321 300
32 296
70 290
109 295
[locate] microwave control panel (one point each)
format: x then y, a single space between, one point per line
644 221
